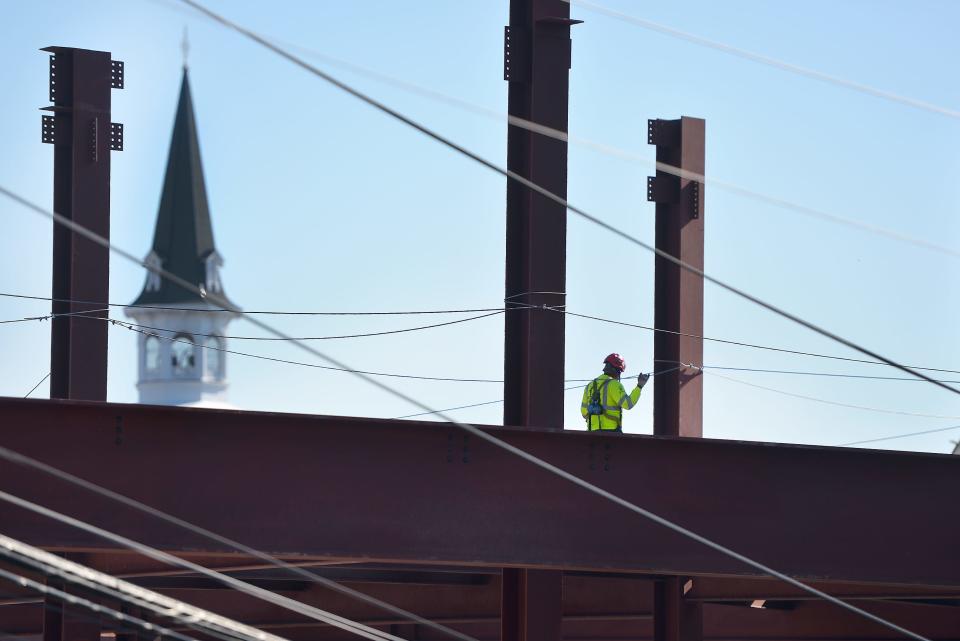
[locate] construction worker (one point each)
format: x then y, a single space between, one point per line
604 399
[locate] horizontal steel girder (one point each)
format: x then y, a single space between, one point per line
383 490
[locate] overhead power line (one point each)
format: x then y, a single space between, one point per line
566 389
472 405
824 401
320 338
470 429
767 60
50 316
493 311
130 327
267 312
224 350
534 187
899 436
125 325
790 372
783 350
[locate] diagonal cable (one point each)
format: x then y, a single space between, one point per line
241 586
740 343
90 605
896 436
323 338
707 370
767 60
39 383
246 311
197 618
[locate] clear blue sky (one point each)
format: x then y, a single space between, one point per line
321 203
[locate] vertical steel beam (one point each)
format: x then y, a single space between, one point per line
531 605
678 309
133 633
537 53
678 294
82 135
674 618
62 623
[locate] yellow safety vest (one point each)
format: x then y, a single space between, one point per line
613 399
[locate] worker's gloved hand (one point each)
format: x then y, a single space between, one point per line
642 380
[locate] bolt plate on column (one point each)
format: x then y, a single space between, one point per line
48 129
116 136
116 74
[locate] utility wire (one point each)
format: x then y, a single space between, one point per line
494 402
897 436
320 338
470 429
133 328
268 312
529 184
725 341
39 383
820 374
566 389
50 316
90 605
767 60
493 311
125 325
822 400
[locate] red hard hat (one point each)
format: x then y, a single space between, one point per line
616 361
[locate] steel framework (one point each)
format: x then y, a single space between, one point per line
461 532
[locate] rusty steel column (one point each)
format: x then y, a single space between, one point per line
531 605
678 307
537 52
678 294
82 135
675 618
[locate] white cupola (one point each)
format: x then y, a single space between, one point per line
181 357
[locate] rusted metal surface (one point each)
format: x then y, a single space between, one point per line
324 487
537 56
678 294
675 618
531 605
82 135
678 309
62 622
537 64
